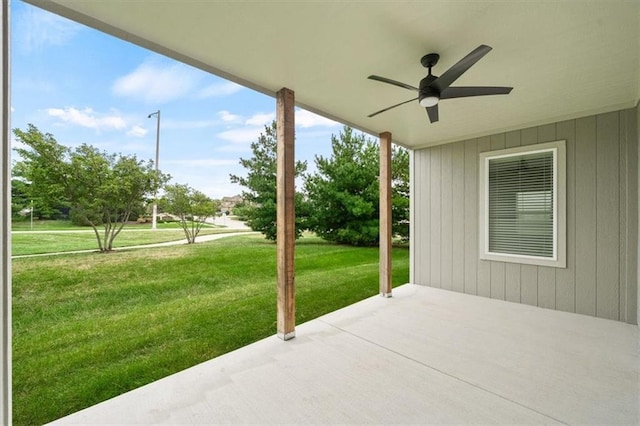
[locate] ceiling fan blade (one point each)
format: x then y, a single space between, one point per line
395 83
432 112
391 107
453 73
463 92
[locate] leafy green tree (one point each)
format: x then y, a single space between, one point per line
260 181
102 189
344 192
19 196
241 211
400 193
192 206
49 201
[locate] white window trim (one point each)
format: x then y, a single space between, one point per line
559 259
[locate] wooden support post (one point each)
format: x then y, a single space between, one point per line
385 214
286 214
5 221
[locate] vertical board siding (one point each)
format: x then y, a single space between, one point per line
512 282
565 277
435 225
529 285
585 221
512 270
600 278
607 219
498 284
471 217
458 192
622 173
446 219
426 203
484 266
547 275
631 290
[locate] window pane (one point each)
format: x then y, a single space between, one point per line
521 204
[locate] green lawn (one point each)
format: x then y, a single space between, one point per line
43 225
23 243
87 327
66 225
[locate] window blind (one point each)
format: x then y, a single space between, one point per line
521 210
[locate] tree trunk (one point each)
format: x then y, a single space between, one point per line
95 230
115 231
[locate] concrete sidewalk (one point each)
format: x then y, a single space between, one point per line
227 222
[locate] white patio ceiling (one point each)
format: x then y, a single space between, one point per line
564 59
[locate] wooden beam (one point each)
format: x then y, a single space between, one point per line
285 101
5 221
385 214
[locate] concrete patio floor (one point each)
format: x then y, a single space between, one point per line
424 356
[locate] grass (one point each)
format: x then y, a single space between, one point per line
27 243
43 225
87 327
66 225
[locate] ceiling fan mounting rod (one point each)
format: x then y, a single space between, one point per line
430 60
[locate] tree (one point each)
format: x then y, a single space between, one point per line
260 181
19 196
49 201
192 206
344 192
400 193
102 189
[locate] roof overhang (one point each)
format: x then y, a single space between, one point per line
564 59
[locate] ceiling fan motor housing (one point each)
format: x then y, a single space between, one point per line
427 94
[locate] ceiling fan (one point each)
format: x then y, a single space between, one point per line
432 88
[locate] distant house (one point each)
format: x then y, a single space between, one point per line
227 204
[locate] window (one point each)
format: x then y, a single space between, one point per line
522 205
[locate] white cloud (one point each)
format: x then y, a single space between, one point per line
36 29
243 131
241 136
157 83
88 118
137 131
306 119
261 119
227 117
219 90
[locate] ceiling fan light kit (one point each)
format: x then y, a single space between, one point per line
433 89
429 101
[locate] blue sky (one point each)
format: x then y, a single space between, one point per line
83 86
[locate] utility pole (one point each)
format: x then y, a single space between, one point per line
154 220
